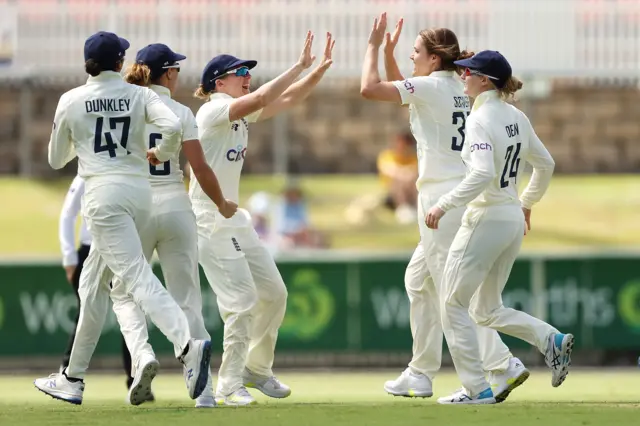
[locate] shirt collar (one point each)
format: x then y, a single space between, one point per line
441 74
105 76
218 95
160 90
485 97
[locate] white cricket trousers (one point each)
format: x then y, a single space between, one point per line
251 294
423 282
171 231
479 263
115 209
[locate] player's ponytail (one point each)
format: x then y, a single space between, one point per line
92 68
138 74
510 88
202 94
463 55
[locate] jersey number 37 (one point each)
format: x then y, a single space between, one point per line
460 120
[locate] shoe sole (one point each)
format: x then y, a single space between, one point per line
517 382
410 394
74 401
203 376
222 403
483 401
567 348
140 392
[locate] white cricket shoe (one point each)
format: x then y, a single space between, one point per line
196 366
410 385
238 398
59 387
206 400
145 372
503 383
558 356
269 386
462 396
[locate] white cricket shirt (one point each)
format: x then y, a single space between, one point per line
67 225
438 111
104 122
169 172
225 145
500 140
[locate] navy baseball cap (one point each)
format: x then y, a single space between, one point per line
491 64
218 66
105 48
158 57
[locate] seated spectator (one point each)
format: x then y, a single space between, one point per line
292 222
398 171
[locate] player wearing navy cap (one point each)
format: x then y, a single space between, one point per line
500 139
250 292
171 230
104 122
438 109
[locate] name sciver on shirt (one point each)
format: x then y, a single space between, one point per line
107 105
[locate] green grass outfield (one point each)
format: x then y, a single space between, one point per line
578 212
608 397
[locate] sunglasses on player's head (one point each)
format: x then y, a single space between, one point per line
469 72
240 72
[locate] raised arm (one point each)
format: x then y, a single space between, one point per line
61 149
270 91
159 114
371 85
300 90
390 65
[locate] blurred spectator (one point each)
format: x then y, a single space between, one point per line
398 171
292 222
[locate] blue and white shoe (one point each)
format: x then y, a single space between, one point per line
462 396
558 357
196 366
57 386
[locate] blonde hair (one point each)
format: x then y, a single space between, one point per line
138 74
510 88
443 43
200 93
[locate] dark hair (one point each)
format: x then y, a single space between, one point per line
443 43
510 88
94 68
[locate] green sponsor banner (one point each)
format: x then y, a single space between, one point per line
385 305
38 309
347 305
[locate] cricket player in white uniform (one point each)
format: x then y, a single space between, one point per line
500 140
438 112
104 122
250 292
171 230
73 260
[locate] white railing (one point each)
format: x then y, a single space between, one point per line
539 37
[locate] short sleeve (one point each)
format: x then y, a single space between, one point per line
189 126
216 114
416 90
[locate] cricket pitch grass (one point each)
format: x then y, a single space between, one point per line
588 397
